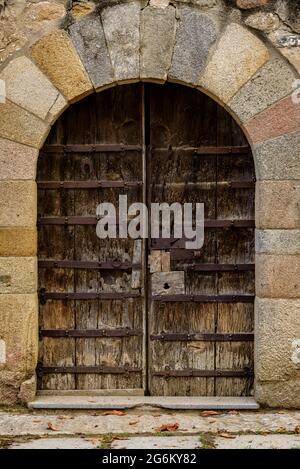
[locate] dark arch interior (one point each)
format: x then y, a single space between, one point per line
103 319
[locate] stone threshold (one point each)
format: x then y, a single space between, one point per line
122 402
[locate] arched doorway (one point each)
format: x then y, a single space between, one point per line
151 317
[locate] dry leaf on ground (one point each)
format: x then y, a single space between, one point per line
133 423
209 413
297 430
227 435
52 427
168 427
115 412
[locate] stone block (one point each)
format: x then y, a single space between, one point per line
10 382
293 56
15 242
89 40
28 390
277 328
281 118
18 203
239 55
28 87
278 394
278 159
196 34
18 275
277 204
57 109
19 330
158 28
17 161
121 24
57 58
21 126
277 242
277 276
271 83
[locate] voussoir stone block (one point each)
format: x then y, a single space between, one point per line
195 35
19 241
271 83
21 126
277 276
28 87
19 331
18 275
277 242
277 205
17 161
57 58
121 24
282 118
89 40
18 203
158 28
278 158
238 57
278 330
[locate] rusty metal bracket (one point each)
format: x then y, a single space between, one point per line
204 298
50 185
87 148
90 333
203 337
44 296
192 373
121 370
89 265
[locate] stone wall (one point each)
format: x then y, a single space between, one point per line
243 53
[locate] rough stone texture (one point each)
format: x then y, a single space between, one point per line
196 33
277 326
95 423
19 330
248 4
277 276
121 25
259 442
28 390
280 119
17 161
24 21
88 37
279 394
15 242
82 8
277 205
266 22
58 59
18 204
293 56
10 382
59 443
158 442
158 28
238 57
271 83
277 242
28 87
278 158
21 126
18 275
159 3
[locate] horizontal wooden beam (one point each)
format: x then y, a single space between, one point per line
50 185
90 333
87 370
87 148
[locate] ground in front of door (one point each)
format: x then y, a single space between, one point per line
149 428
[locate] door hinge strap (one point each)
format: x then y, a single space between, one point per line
108 265
49 185
204 373
88 148
90 333
44 296
170 337
205 298
87 370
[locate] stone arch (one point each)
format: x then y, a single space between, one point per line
126 43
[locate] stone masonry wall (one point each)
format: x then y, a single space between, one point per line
243 53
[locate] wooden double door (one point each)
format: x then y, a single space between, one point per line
146 315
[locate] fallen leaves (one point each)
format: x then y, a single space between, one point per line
52 427
168 427
209 413
227 435
115 412
297 430
133 423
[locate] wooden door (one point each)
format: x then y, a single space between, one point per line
147 316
